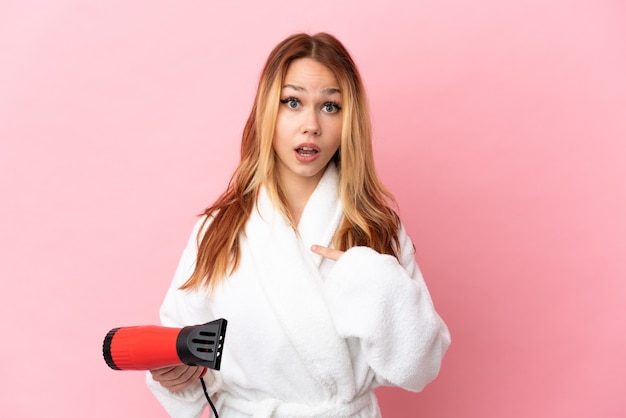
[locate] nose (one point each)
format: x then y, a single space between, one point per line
310 123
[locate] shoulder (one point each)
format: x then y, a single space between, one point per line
406 248
199 229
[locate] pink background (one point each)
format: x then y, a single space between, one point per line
500 126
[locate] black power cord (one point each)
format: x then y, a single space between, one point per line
208 398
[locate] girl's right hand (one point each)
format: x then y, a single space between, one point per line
177 378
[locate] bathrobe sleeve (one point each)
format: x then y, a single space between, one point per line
385 304
179 309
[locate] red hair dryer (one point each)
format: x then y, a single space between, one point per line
152 347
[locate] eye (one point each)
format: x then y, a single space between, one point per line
331 107
291 102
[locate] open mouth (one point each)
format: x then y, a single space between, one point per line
307 151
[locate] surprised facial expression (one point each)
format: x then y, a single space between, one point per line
309 121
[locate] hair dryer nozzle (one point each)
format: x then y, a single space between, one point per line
202 345
152 347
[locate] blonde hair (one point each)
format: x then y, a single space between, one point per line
368 219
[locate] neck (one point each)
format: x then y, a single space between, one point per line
297 191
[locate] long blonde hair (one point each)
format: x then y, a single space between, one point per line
368 219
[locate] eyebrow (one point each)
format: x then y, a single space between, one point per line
327 91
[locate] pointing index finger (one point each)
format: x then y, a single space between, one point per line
327 252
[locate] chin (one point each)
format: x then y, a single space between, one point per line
309 172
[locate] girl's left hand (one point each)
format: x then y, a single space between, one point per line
327 252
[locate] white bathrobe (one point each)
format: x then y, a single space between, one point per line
308 336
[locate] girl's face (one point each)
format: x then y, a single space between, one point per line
308 124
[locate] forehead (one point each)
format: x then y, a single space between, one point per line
310 74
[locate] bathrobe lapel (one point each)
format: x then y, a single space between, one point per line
289 275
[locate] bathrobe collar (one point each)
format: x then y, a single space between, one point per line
321 215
